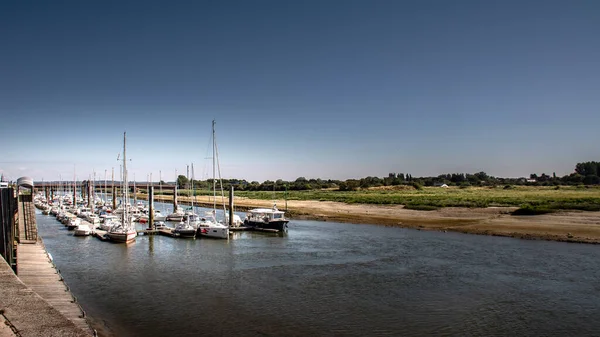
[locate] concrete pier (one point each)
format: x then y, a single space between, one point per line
35 301
37 271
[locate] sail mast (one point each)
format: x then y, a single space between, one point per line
214 178
125 182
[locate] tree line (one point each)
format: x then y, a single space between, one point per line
586 173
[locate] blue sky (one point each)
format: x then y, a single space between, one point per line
332 89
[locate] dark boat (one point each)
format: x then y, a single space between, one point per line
269 218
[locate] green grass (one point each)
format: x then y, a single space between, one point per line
540 199
567 198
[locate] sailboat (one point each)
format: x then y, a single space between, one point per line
208 225
125 230
178 212
188 226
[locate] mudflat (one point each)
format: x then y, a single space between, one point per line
569 226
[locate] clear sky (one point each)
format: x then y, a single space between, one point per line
321 89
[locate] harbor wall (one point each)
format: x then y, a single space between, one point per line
28 314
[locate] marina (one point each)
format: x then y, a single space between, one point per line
389 168
345 279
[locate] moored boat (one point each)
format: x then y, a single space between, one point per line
121 234
82 230
185 230
209 226
73 223
125 230
270 218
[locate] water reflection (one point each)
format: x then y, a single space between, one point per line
332 279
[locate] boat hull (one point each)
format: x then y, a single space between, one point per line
278 225
214 232
122 237
174 217
79 232
185 233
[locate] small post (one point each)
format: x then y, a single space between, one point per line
46 190
114 197
286 197
89 195
134 192
175 198
90 200
151 207
231 206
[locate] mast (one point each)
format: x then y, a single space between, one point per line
134 192
193 194
125 182
175 194
213 165
113 191
74 188
218 168
105 191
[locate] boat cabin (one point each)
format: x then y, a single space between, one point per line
265 215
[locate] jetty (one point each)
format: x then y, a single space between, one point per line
34 299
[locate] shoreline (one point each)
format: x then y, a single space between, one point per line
564 226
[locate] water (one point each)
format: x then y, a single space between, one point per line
324 279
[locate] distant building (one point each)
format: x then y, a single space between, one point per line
531 180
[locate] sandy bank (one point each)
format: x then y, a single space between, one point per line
571 226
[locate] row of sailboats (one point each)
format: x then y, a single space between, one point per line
118 220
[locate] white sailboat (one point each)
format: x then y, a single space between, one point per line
125 230
209 226
188 226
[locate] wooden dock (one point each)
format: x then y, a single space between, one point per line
37 272
100 234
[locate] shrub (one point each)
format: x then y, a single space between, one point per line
417 186
419 207
527 209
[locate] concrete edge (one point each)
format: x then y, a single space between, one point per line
27 312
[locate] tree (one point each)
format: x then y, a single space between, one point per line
591 180
182 181
588 168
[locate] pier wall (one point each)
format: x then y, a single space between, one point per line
28 314
34 300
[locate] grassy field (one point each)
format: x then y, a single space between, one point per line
529 199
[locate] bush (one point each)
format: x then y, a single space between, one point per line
417 186
508 187
419 207
527 209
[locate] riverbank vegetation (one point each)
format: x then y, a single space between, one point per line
587 173
538 194
532 199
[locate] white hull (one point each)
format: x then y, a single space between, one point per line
122 236
172 217
217 232
82 230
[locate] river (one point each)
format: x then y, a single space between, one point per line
331 279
